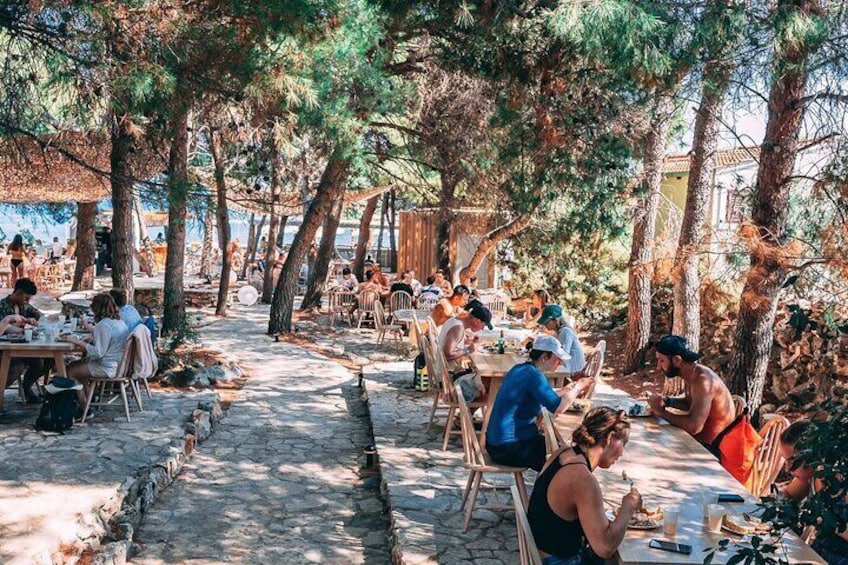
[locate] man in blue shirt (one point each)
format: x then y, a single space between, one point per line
513 437
128 313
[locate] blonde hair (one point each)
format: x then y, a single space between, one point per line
103 306
598 424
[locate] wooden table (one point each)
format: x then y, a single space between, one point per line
669 467
31 350
492 367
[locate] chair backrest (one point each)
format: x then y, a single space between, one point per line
367 300
674 386
427 301
768 460
125 366
497 307
340 300
739 404
593 367
436 382
528 552
379 315
470 443
400 300
553 437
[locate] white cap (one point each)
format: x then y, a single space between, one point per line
549 343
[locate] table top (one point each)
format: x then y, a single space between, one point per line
405 315
496 365
669 466
37 345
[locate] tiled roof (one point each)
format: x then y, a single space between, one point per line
723 158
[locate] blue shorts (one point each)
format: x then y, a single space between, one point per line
554 560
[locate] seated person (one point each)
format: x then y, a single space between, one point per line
17 303
535 305
833 546
128 312
104 353
370 284
379 277
443 283
457 340
513 437
414 283
348 280
431 287
403 284
553 320
566 510
709 413
449 307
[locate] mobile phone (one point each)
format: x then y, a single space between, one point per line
726 497
671 546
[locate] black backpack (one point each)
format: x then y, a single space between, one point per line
57 412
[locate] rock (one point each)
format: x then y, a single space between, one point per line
801 395
112 554
188 377
219 373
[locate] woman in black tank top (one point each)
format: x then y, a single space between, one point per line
566 489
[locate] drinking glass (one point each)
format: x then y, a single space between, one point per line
716 513
670 516
28 334
707 497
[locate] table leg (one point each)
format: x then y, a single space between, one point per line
59 361
5 363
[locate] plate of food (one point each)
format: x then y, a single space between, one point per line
644 519
577 406
745 525
639 410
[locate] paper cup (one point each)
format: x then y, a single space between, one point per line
716 513
28 335
670 516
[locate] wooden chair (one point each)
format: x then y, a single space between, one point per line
478 463
400 300
674 386
593 368
436 385
527 550
739 404
427 301
497 307
123 380
367 300
383 327
768 460
342 303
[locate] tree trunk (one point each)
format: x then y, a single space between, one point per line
173 320
358 266
392 242
86 245
489 242
208 240
329 189
383 208
253 246
443 228
764 280
148 263
640 266
122 147
317 279
223 213
251 242
271 240
687 281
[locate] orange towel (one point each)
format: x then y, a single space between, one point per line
737 448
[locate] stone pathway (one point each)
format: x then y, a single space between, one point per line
280 480
423 484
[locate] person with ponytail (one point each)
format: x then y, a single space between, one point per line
566 510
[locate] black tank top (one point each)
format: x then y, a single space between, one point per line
553 535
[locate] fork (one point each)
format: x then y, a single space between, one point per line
626 478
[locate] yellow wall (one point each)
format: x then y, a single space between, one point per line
673 189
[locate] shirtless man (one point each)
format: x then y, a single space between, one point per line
454 341
707 411
447 308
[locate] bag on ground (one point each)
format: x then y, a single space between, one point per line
57 411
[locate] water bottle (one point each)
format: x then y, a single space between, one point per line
501 343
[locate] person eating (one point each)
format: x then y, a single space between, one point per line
554 321
707 412
566 510
513 437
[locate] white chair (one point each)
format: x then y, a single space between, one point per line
400 300
383 328
739 404
497 307
593 368
427 301
768 460
479 463
342 303
365 308
674 386
527 550
553 437
123 380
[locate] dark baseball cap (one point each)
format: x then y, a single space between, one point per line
550 312
480 312
672 345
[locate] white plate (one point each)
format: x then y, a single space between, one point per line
654 524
